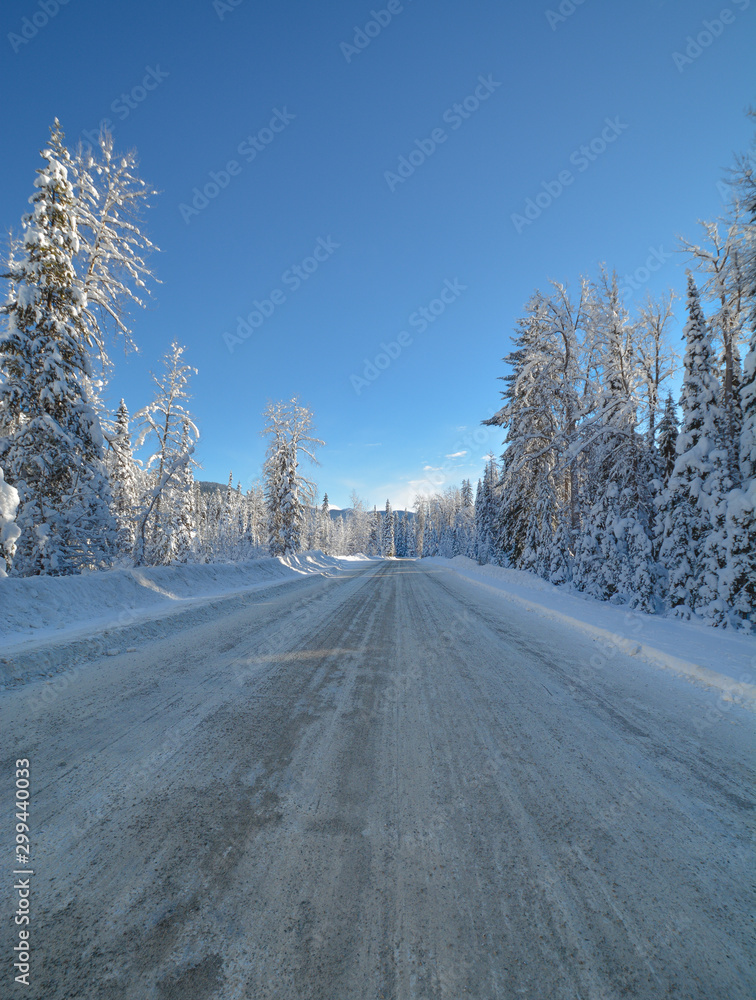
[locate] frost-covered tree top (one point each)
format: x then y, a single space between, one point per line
113 251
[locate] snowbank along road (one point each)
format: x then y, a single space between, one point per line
386 784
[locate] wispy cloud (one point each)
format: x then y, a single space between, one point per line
456 454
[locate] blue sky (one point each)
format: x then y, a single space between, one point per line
488 103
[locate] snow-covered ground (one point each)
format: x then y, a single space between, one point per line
724 660
43 609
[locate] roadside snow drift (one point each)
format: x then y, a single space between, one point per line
41 609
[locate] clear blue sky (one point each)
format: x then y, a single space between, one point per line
221 73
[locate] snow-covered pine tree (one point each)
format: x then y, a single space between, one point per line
124 481
409 536
257 519
289 426
51 444
464 528
686 518
480 552
747 444
357 529
666 440
9 530
719 260
400 544
374 534
421 513
388 549
486 507
324 524
527 416
614 552
282 519
228 528
181 499
664 457
739 578
542 405
168 427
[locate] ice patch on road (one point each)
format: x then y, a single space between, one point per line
723 660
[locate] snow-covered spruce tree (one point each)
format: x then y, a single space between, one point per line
168 428
324 526
283 522
9 530
431 532
311 534
466 493
527 459
486 507
289 426
388 548
358 527
400 544
409 536
256 520
686 518
481 551
374 533
421 515
539 485
614 552
51 444
739 577
719 260
666 440
209 509
181 545
664 458
124 481
444 506
228 526
464 530
747 448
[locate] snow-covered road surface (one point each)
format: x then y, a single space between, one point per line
384 784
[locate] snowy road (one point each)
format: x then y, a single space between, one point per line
386 784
